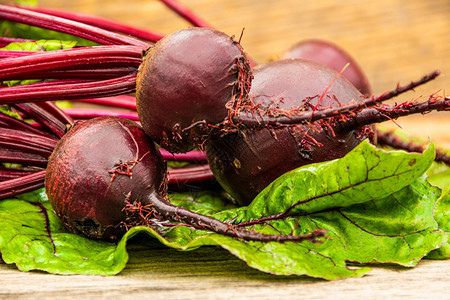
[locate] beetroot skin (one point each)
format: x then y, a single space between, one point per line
245 162
122 161
187 77
332 56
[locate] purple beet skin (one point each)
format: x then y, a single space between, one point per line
96 169
187 77
332 56
246 161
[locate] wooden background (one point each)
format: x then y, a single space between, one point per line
393 40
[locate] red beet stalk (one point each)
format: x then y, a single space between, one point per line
122 101
297 116
186 13
22 143
79 113
68 89
103 23
20 185
390 139
7 40
70 59
92 33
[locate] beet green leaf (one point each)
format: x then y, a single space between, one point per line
442 216
365 174
40 45
399 221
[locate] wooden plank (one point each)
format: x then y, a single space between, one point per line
211 272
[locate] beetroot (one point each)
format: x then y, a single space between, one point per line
187 77
301 112
89 192
246 161
105 175
332 56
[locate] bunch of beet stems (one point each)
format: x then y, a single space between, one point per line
25 148
83 72
106 70
103 74
115 62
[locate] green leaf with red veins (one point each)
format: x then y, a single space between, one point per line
401 227
32 237
365 174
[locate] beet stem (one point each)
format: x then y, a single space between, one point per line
68 90
79 113
310 116
56 112
191 156
92 33
95 72
16 139
190 174
43 117
13 123
391 139
186 13
122 101
11 173
4 41
110 25
17 186
23 158
59 60
163 210
15 53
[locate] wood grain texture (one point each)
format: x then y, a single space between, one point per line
213 273
393 40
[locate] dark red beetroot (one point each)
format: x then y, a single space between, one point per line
189 77
89 192
245 162
106 175
332 56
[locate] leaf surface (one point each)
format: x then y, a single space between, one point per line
399 223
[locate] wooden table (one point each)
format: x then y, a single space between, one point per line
393 40
213 273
